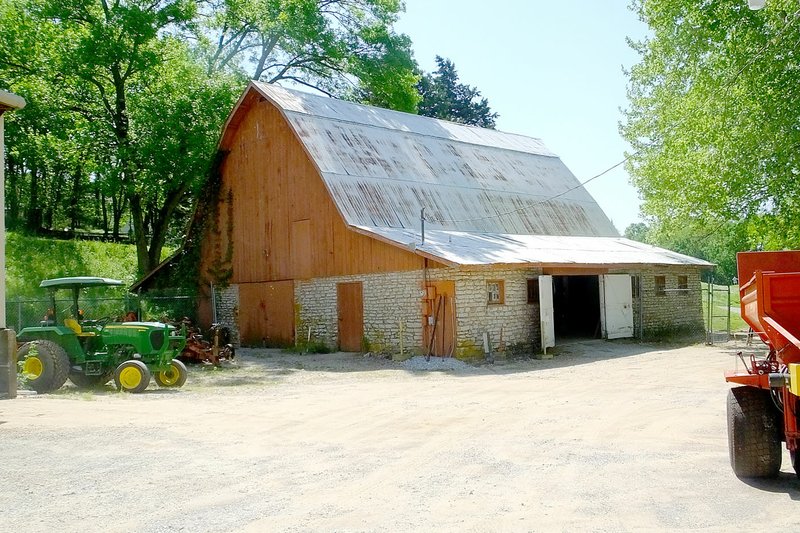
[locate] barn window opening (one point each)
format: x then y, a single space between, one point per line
636 283
533 291
496 291
661 285
683 283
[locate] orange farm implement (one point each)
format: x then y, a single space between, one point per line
765 410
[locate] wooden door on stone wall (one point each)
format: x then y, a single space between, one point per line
439 318
350 306
266 313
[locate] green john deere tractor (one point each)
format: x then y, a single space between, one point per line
92 352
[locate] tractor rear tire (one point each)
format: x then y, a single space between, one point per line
132 376
82 381
44 365
173 377
754 440
795 455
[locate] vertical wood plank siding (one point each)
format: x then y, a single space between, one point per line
285 225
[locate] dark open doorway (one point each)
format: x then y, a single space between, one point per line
576 306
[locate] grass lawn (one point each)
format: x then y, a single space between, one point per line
722 303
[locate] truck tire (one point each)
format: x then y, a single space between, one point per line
173 377
754 441
44 365
132 376
82 381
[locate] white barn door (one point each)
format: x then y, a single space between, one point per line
547 312
616 306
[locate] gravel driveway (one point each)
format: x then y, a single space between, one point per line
608 436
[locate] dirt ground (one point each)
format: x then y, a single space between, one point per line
608 436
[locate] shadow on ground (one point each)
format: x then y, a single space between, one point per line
568 353
785 483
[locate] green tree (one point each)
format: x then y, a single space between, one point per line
123 115
712 118
638 231
344 48
443 96
715 241
139 115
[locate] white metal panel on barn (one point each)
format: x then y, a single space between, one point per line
547 321
349 112
616 306
462 248
382 167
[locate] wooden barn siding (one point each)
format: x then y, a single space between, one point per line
285 225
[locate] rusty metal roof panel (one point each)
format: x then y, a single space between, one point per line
382 167
464 248
292 101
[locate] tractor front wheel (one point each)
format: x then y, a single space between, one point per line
795 455
174 376
43 365
82 381
754 440
132 376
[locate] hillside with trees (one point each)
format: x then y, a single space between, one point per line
712 120
126 98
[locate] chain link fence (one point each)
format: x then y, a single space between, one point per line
162 306
721 313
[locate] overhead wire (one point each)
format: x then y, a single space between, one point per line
778 38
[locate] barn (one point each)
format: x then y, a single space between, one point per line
374 230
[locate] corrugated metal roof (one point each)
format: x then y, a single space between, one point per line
381 167
489 197
464 248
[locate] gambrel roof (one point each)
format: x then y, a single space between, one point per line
478 187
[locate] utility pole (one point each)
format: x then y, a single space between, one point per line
8 341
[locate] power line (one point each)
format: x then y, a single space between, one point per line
727 86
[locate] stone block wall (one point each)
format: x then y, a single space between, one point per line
393 309
227 307
512 324
675 311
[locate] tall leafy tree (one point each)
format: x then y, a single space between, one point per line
713 112
140 112
443 96
344 48
125 107
715 242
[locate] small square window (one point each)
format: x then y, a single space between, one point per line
533 291
661 285
495 291
683 283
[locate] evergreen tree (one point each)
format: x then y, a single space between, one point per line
444 97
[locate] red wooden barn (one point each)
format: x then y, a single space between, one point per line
319 230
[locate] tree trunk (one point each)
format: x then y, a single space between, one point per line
100 204
118 205
34 216
139 236
74 200
55 201
12 193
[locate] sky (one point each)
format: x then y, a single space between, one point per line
552 69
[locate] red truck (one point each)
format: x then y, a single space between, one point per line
765 410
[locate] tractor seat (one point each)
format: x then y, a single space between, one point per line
72 324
